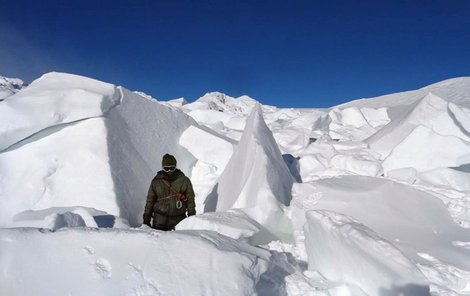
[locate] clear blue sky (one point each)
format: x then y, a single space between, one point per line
283 53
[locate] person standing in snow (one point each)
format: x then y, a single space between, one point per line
170 198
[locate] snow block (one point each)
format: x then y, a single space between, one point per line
432 112
413 220
424 149
446 177
344 250
51 100
77 141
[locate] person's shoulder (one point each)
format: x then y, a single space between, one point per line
158 176
182 176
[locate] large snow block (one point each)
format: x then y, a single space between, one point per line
432 112
75 141
53 99
344 250
127 262
414 220
256 174
424 149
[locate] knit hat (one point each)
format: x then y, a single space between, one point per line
168 160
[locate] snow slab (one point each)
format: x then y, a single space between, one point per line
413 221
432 112
344 250
424 149
52 100
446 177
83 261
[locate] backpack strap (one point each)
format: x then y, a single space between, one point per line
179 196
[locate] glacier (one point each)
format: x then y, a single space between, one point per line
371 197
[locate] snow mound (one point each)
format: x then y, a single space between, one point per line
10 86
343 250
74 141
86 262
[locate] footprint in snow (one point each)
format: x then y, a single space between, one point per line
103 268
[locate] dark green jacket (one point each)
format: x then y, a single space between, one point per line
163 200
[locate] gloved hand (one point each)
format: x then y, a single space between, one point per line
191 212
147 218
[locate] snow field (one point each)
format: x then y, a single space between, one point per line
359 199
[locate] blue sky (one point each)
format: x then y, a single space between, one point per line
283 53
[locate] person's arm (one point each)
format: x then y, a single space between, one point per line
190 195
148 211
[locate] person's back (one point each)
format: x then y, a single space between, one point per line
170 197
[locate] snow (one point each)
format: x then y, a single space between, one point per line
371 197
10 86
344 250
73 154
82 261
431 112
256 178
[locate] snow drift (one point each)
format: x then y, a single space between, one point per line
90 262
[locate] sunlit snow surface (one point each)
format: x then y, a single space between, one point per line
371 197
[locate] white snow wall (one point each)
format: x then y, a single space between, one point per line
140 132
74 141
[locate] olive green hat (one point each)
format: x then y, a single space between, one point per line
168 160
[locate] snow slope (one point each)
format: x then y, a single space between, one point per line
371 197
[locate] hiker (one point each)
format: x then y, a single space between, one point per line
170 197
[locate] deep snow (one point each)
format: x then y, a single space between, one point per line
371 197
